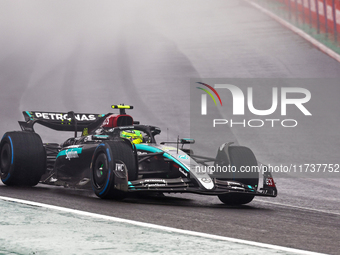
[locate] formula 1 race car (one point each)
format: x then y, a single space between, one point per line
116 156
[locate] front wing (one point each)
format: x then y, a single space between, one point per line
185 185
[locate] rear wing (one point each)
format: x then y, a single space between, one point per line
62 121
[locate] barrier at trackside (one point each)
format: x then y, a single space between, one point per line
321 16
324 15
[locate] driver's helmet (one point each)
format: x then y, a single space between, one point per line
134 136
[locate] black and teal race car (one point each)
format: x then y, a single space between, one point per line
114 166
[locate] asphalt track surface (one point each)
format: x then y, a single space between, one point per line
84 56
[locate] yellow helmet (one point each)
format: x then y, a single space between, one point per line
134 136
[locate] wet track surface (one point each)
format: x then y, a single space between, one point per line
60 58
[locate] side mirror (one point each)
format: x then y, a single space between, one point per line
187 141
155 131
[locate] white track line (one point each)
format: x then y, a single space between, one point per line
154 226
301 33
297 207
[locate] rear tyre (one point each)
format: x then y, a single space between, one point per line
105 158
239 156
22 159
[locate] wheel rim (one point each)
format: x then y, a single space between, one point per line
5 159
100 171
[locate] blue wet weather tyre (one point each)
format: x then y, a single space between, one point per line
22 158
103 164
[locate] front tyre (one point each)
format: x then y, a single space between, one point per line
239 156
105 158
235 198
22 159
